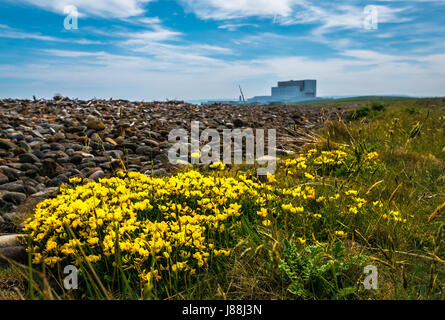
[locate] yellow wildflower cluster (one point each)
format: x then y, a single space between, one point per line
218 165
180 224
334 157
372 157
314 159
158 224
393 216
340 234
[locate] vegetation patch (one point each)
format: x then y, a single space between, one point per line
361 193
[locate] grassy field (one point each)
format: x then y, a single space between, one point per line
349 100
370 189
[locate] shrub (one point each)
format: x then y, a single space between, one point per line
377 107
319 272
153 228
358 113
164 233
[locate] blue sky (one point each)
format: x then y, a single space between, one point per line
199 49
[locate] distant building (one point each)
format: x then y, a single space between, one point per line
289 91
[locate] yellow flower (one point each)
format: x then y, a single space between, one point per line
196 155
267 223
262 213
93 258
51 245
218 165
75 180
377 203
335 197
353 210
309 176
178 266
301 240
93 241
221 252
351 192
340 233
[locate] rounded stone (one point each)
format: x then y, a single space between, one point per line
28 158
97 175
14 197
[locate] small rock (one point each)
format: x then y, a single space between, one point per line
100 159
76 159
163 158
131 146
97 175
7 145
11 173
5 206
16 186
120 140
37 134
14 197
58 181
238 123
3 179
182 162
114 143
59 136
151 143
115 154
24 145
95 125
144 150
49 168
92 170
156 173
11 240
48 192
32 173
17 253
28 166
11 217
28 158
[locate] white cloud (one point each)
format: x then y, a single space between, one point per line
72 54
187 75
152 20
236 26
11 33
328 15
101 8
333 17
157 33
166 46
230 9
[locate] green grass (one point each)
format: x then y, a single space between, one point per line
352 100
298 257
410 139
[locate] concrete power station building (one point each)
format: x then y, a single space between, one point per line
289 91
